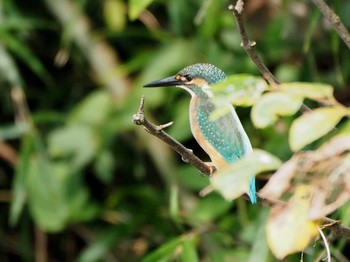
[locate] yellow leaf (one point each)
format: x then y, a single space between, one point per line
313 125
310 90
288 227
115 15
232 181
136 7
272 105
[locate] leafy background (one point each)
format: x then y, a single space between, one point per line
80 182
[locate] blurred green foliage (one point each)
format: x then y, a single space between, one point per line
80 182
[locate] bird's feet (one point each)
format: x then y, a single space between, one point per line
212 168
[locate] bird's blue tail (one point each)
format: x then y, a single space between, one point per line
252 190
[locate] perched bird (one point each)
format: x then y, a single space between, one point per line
224 138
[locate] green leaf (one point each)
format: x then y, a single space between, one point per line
240 89
104 166
115 14
313 125
46 199
219 112
19 190
209 208
266 111
311 29
55 193
164 252
96 250
8 69
77 143
309 90
185 175
93 110
233 181
25 54
174 206
189 253
136 7
260 250
181 127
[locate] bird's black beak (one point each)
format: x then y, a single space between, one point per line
168 81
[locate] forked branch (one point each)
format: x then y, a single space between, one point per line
187 155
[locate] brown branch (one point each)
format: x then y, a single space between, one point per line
249 45
334 20
41 245
186 154
8 153
337 229
249 48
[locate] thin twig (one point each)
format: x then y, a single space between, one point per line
325 245
334 20
249 48
337 229
8 153
186 154
41 245
249 45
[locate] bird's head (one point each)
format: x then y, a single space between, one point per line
196 79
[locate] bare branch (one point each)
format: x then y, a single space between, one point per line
249 48
186 154
328 258
8 153
249 45
334 20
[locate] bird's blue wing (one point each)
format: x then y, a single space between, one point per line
226 135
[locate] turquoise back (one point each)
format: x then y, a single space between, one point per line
226 135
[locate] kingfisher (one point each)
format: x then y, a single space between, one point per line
223 139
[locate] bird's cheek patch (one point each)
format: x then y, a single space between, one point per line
199 82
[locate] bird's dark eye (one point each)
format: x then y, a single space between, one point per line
188 77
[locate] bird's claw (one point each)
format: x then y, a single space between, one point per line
212 168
